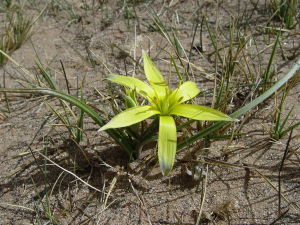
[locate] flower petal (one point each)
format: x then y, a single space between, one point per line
166 143
154 76
133 83
187 91
130 116
198 112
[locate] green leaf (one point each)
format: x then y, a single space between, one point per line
119 138
130 116
197 112
167 142
154 76
133 83
187 91
47 76
294 71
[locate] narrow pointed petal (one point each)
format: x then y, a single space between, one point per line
141 87
187 91
130 117
166 143
154 76
197 112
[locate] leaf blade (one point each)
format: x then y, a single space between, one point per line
167 143
295 70
122 140
187 91
133 83
154 76
197 112
130 116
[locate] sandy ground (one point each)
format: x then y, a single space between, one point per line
98 41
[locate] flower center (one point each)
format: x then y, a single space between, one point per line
165 103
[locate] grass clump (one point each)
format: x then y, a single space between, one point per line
5 4
281 123
69 8
16 31
286 12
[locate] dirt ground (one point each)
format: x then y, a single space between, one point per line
93 38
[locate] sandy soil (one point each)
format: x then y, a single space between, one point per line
105 34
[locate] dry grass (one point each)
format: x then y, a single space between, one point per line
237 173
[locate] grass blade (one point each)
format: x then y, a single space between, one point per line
118 137
295 70
46 75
